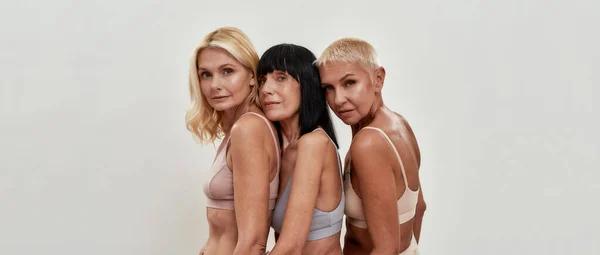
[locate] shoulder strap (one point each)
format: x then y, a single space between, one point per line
395 151
337 156
272 135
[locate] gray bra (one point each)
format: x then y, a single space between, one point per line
324 224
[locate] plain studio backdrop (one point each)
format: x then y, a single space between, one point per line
95 157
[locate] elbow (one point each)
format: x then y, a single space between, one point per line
420 210
287 248
388 249
255 246
295 249
288 251
251 241
389 246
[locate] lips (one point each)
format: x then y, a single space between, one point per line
344 111
218 97
269 103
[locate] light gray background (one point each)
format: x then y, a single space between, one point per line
95 158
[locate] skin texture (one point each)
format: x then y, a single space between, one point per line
354 93
312 159
280 96
252 156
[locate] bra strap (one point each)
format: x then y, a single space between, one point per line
395 151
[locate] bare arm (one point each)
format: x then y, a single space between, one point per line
251 170
303 194
420 212
421 206
378 191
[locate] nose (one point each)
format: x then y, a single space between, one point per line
216 83
339 97
267 87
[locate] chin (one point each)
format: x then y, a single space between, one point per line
223 106
277 114
273 116
349 121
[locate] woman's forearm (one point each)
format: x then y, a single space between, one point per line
418 221
417 227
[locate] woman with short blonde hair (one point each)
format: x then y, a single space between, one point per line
384 200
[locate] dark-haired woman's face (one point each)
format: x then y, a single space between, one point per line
279 95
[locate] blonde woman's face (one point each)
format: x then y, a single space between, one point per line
224 82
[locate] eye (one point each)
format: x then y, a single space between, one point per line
227 71
261 81
327 88
349 82
281 78
205 75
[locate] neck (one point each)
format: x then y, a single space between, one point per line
377 105
290 129
230 116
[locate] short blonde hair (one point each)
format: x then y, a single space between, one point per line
350 50
201 119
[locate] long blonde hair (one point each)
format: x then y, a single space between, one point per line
201 119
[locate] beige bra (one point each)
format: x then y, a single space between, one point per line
218 187
407 204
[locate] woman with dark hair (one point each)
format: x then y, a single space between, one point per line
308 214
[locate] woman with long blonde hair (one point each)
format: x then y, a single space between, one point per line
224 105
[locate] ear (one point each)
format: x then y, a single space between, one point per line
379 78
252 80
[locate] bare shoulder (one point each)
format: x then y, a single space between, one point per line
371 158
367 142
250 126
313 142
412 138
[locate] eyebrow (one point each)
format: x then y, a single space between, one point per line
220 67
346 76
341 79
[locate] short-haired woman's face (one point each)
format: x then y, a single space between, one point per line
349 90
224 81
279 95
